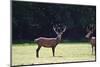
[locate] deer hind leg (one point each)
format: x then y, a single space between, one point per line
95 50
37 51
92 49
53 51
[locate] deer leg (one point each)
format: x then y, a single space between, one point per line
95 50
92 49
37 51
53 51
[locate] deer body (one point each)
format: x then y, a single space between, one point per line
92 39
49 42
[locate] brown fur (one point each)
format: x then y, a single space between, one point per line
46 42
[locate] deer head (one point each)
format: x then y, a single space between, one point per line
59 29
90 29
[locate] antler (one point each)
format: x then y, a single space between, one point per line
87 29
59 29
64 29
55 29
90 27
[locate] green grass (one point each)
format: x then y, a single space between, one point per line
25 54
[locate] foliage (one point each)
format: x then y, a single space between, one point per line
32 19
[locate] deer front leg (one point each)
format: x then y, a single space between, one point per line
37 51
53 51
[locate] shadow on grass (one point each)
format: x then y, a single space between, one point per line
58 56
52 57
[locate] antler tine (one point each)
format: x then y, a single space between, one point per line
87 29
55 29
64 29
93 27
90 27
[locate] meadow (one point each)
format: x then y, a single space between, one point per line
25 54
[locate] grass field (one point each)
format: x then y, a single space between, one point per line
65 52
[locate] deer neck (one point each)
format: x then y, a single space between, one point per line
58 38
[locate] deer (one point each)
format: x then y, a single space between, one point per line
50 42
91 37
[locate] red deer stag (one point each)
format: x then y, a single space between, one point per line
50 42
91 36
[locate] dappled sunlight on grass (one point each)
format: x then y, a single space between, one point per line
67 52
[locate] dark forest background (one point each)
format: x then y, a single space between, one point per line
33 19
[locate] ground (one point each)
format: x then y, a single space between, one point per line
65 52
